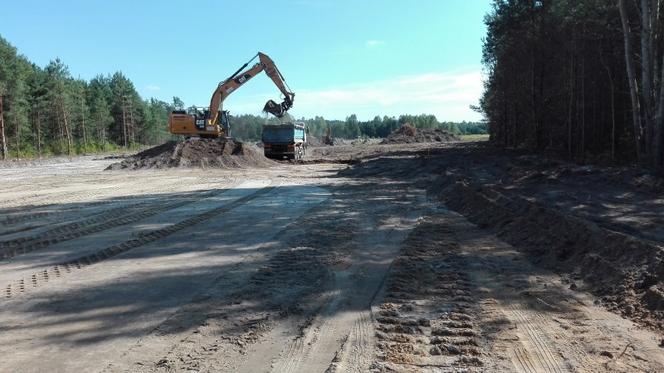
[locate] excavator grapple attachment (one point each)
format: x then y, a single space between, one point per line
278 110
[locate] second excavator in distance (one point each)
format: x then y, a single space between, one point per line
213 121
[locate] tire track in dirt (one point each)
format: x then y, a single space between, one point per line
337 334
106 220
543 358
620 268
340 337
63 192
67 231
527 318
305 305
428 318
546 337
27 216
41 219
303 347
61 269
22 206
40 200
241 307
161 278
356 352
250 312
22 210
308 295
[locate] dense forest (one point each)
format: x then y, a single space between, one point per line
248 127
581 77
46 111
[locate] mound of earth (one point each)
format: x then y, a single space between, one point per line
625 271
196 153
408 134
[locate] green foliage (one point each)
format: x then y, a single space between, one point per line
249 127
553 70
178 104
48 112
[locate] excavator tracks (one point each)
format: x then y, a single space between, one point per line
62 268
105 220
428 316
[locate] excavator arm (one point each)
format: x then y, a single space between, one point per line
241 76
208 123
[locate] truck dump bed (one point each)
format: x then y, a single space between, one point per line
284 140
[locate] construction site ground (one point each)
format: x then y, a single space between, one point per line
362 257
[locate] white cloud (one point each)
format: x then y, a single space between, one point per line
446 95
153 88
375 43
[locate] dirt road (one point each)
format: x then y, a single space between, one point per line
296 268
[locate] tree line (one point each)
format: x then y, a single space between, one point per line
46 111
581 77
249 127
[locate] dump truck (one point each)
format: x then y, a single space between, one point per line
287 140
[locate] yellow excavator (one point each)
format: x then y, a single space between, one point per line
213 121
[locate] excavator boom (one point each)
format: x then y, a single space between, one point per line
235 81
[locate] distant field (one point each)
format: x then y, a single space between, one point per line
484 137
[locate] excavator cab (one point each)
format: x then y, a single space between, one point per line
225 122
199 117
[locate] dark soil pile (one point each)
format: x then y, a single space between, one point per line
196 153
407 134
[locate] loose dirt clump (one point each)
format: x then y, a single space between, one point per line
196 153
408 134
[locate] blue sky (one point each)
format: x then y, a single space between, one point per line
339 56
